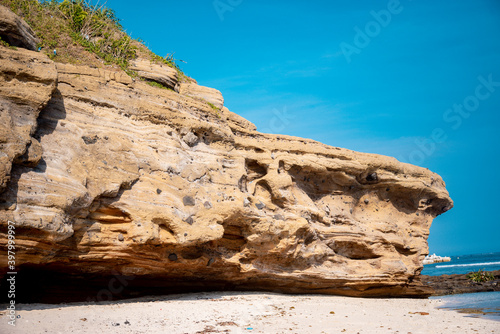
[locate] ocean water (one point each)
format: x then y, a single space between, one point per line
480 304
464 264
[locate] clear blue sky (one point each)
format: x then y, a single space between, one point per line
383 77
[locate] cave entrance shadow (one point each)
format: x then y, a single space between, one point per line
45 288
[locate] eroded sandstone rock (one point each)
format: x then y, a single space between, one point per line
15 31
237 120
203 93
27 82
123 187
159 73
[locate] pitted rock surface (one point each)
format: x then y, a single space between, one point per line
104 175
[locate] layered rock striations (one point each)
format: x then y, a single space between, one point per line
103 174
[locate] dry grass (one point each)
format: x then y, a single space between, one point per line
83 33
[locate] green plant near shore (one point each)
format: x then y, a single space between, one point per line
480 276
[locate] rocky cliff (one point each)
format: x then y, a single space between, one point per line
106 175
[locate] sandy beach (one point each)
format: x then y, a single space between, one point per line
246 312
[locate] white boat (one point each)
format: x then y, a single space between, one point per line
429 259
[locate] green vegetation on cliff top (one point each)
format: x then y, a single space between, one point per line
79 32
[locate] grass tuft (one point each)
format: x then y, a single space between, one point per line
480 276
158 85
83 33
217 110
